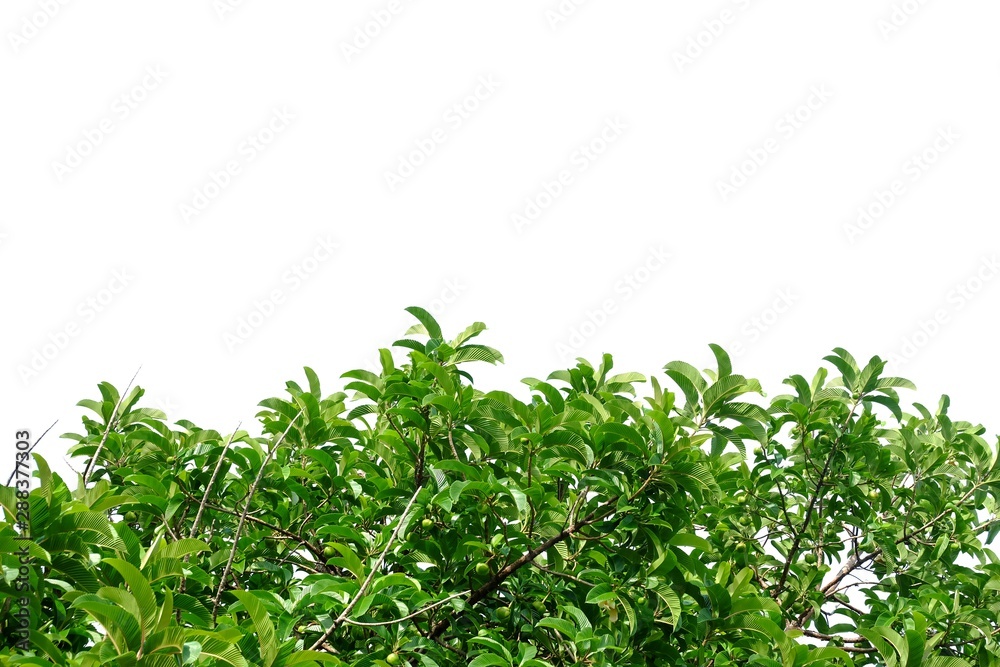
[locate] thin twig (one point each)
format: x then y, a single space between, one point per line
211 482
31 449
565 575
368 580
111 422
457 651
480 593
243 517
408 616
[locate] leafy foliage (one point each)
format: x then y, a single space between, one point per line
423 521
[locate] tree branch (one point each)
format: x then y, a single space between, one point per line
112 420
211 482
812 505
340 620
243 517
528 556
408 616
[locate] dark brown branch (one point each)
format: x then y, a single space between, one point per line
811 507
528 556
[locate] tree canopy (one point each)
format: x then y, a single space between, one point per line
414 518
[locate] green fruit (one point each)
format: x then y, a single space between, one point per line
482 569
171 459
741 546
426 523
810 558
641 602
873 494
301 629
503 613
538 606
483 632
130 517
744 521
392 658
329 551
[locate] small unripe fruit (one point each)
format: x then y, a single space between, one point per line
171 459
810 558
538 606
329 551
483 632
641 602
873 494
482 569
503 613
426 523
130 517
392 658
301 629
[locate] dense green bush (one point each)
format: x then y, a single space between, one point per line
424 521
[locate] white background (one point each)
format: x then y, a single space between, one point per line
834 101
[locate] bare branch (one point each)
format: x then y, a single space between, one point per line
246 511
112 420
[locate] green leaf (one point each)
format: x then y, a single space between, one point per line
601 593
486 659
140 590
432 328
725 366
559 624
262 624
894 649
688 379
